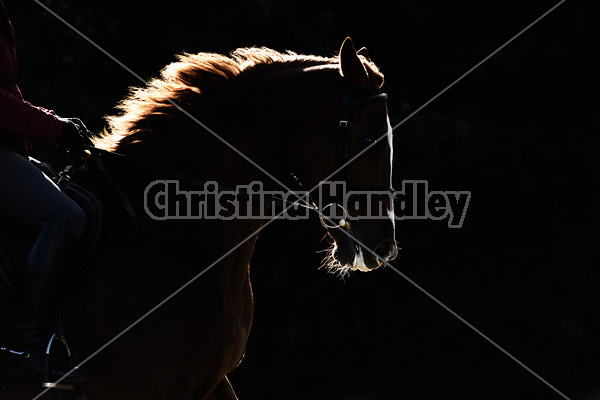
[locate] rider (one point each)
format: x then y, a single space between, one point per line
27 196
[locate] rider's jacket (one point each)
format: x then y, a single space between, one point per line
19 120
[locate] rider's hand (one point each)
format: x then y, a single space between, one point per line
73 134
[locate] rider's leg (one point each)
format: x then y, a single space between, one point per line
44 267
29 197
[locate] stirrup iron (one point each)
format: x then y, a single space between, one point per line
46 382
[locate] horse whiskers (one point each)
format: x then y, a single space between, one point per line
325 236
332 265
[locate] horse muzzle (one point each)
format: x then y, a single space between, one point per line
386 251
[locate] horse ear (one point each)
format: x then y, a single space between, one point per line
351 66
363 52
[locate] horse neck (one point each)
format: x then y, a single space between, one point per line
271 121
276 125
267 116
288 117
268 126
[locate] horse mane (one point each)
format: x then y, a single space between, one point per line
194 76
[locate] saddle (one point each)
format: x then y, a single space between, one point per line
16 240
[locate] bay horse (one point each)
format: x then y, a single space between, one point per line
285 112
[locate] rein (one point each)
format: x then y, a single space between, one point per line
170 173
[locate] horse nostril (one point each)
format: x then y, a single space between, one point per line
387 250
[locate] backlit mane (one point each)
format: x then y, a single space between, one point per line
192 77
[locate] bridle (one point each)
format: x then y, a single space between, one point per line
341 126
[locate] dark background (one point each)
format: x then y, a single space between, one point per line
520 133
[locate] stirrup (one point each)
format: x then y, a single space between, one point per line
46 382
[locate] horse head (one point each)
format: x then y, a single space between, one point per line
357 151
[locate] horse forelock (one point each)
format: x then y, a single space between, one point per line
192 77
375 76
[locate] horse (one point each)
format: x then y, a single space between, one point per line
167 313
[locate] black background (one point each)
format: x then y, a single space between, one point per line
520 133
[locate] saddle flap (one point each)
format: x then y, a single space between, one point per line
120 219
93 211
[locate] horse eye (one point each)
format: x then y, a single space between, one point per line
370 140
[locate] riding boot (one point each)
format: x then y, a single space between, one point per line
44 267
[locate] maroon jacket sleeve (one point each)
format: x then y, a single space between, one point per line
19 118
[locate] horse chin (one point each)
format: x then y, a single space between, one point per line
344 256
